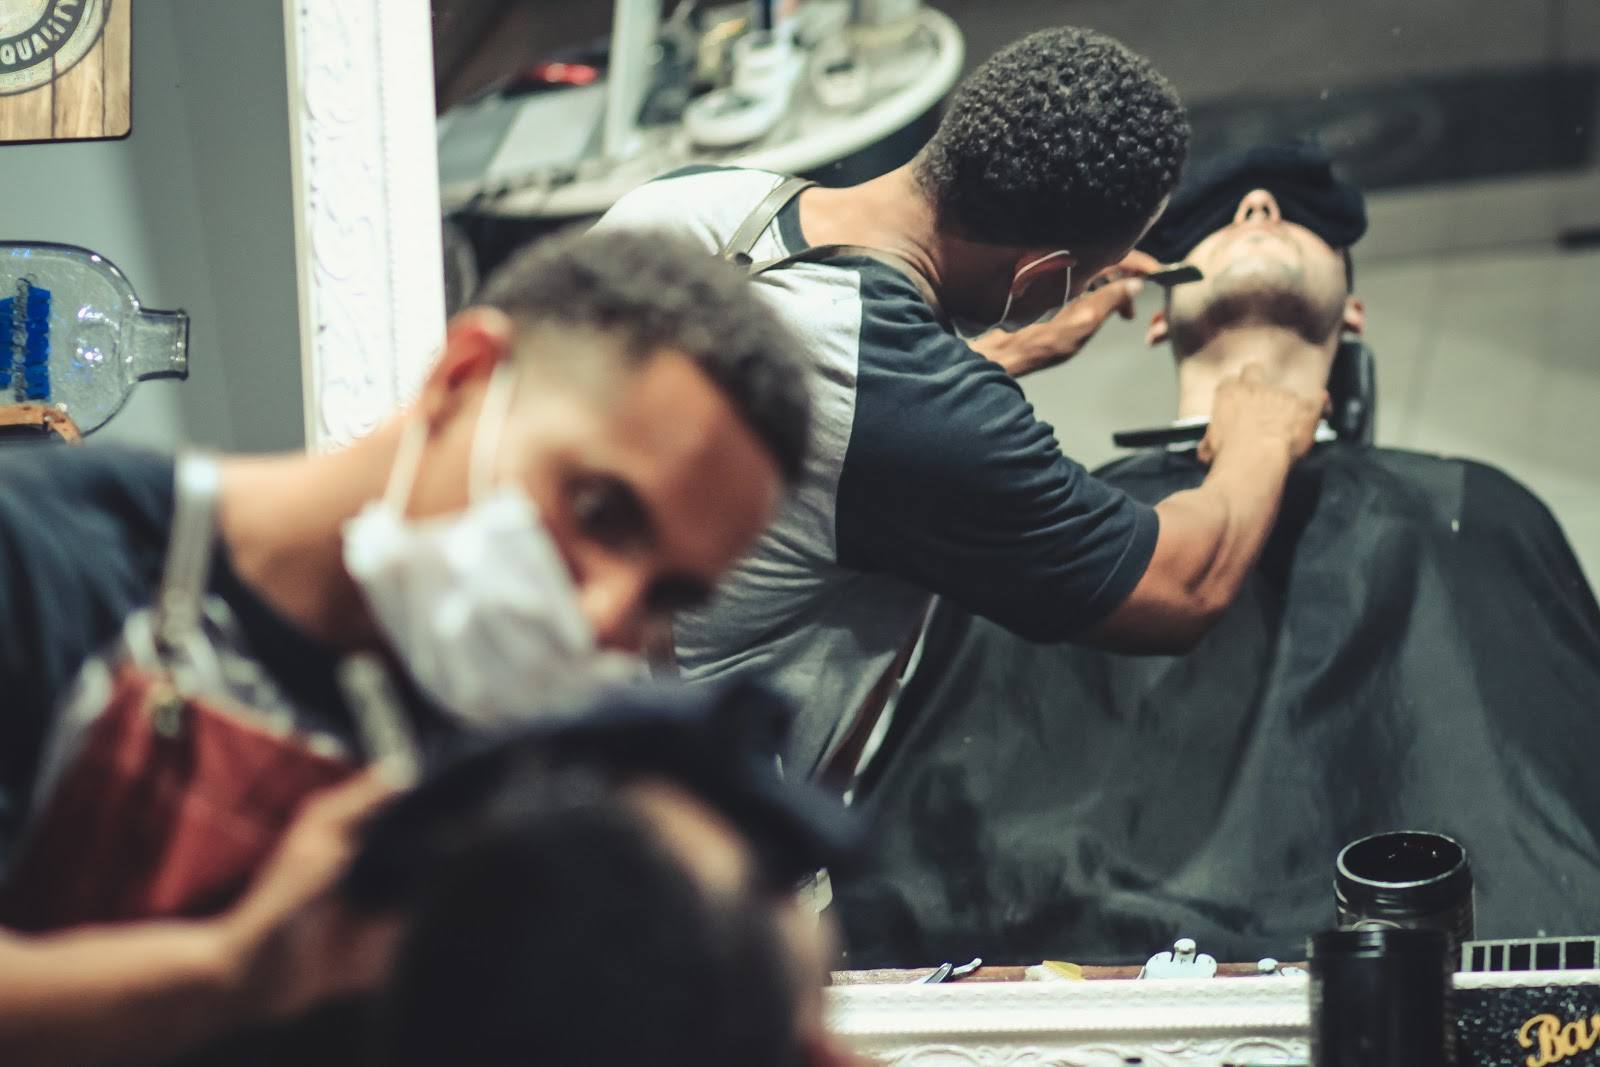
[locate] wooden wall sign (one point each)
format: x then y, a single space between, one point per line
65 69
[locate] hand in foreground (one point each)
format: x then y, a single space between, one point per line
292 941
1059 338
1249 410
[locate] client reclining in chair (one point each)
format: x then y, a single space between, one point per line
1417 648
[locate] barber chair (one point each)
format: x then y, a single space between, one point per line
1353 391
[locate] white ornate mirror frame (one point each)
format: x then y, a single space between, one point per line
1210 1022
1107 1023
366 203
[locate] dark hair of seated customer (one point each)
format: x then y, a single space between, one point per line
566 930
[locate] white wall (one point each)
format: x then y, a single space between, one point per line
195 207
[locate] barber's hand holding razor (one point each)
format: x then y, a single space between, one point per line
1057 339
1250 411
1131 269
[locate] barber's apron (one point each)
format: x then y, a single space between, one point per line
840 764
162 794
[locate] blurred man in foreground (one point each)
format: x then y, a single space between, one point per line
599 440
1417 648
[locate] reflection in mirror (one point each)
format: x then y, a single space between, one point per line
1398 203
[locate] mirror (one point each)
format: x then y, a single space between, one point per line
1420 647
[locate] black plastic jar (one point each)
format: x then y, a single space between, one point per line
1410 879
1381 998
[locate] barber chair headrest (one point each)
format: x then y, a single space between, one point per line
1353 391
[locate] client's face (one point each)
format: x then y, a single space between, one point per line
1260 270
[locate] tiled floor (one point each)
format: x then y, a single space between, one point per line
1491 356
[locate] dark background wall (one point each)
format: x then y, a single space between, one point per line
1407 93
1210 48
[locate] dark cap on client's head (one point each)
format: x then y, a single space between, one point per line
718 742
1299 176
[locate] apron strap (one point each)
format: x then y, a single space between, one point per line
737 249
837 772
179 604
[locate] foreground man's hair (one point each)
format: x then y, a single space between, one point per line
654 292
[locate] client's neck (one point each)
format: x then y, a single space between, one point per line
1286 358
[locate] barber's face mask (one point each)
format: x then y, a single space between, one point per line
969 328
478 604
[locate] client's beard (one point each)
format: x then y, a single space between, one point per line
1277 299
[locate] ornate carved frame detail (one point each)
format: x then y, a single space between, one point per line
1176 1023
366 201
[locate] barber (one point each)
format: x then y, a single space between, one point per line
931 474
598 442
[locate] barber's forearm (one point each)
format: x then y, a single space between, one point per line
1209 539
1237 505
128 995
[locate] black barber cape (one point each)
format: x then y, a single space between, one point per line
1416 649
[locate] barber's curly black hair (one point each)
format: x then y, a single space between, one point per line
1065 137
655 292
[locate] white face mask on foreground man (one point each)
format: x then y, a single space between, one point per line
478 604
